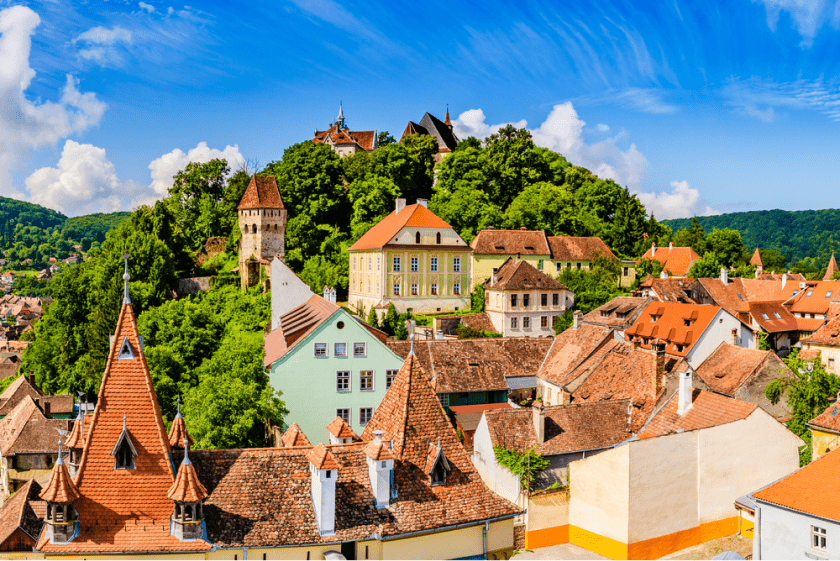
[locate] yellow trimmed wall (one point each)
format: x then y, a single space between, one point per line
822 443
481 266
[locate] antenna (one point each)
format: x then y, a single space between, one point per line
126 277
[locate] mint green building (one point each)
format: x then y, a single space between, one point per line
328 363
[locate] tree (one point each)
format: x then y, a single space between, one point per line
477 299
726 246
594 287
693 237
707 266
372 199
391 320
198 201
467 210
384 138
564 322
527 465
469 142
544 206
373 319
772 260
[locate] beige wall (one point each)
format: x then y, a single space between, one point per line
830 357
600 492
548 511
481 266
452 544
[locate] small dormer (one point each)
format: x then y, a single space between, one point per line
437 466
124 451
61 492
380 462
340 432
324 470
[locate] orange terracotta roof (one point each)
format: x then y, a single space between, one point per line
729 367
295 325
675 260
294 437
18 513
571 248
620 312
828 419
515 274
813 489
708 409
339 429
667 321
187 488
511 242
262 192
16 391
124 510
61 488
322 458
670 290
773 317
378 451
343 136
815 298
178 431
756 258
570 349
27 431
828 334
832 268
76 438
412 216
809 324
727 296
762 290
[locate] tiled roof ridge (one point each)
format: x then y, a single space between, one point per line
61 487
383 231
261 192
831 269
321 457
187 488
76 437
292 434
339 428
25 409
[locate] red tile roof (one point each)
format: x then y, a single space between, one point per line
412 216
340 429
18 513
813 489
364 139
828 334
378 451
832 268
294 437
756 258
828 419
675 260
187 488
468 416
322 458
620 312
515 274
111 498
815 297
729 367
670 290
27 431
778 319
295 325
570 248
570 349
76 438
262 192
511 242
569 428
16 391
708 409
178 431
727 296
670 325
61 488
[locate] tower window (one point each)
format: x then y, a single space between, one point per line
417 237
438 237
124 451
255 229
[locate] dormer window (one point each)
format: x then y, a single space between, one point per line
439 474
124 451
125 351
437 466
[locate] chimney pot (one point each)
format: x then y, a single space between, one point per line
522 228
670 245
423 202
494 277
724 275
539 421
653 249
491 227
577 317
377 436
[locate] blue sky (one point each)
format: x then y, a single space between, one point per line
699 107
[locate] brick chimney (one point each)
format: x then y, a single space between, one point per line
577 317
400 205
539 421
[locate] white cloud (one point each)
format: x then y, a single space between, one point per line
562 132
602 127
681 202
24 124
85 181
103 45
808 15
164 168
148 7
746 96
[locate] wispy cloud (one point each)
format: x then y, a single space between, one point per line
644 100
104 45
148 7
761 98
808 16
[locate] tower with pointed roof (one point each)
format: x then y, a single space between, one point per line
342 140
262 221
832 268
60 494
756 260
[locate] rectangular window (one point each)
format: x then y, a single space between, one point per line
365 413
539 265
366 380
513 298
370 264
434 264
434 288
831 363
526 322
320 349
368 288
547 396
544 322
389 377
396 289
378 260
342 381
354 262
414 289
555 299
359 349
344 413
340 349
818 538
444 399
415 264
456 288
568 266
543 300
559 266
578 266
526 300
456 264
626 271
397 264
809 293
514 323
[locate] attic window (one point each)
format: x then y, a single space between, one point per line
417 237
777 315
529 247
499 247
124 451
828 294
808 295
125 351
764 316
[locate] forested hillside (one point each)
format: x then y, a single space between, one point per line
807 238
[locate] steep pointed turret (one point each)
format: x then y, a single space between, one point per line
188 494
60 494
178 431
339 121
832 268
756 259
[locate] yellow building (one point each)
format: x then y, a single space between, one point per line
824 342
825 432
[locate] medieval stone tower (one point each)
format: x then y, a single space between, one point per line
262 221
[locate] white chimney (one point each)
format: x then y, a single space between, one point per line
653 249
670 245
400 205
724 275
380 466
423 202
784 280
539 421
333 297
577 317
326 293
324 474
494 277
663 274
685 391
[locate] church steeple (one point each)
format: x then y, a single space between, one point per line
339 121
447 122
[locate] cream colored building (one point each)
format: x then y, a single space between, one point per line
825 342
412 259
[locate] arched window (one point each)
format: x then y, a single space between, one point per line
245 228
438 237
255 229
417 237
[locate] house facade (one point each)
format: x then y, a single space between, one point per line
342 140
322 350
521 301
825 431
412 259
825 342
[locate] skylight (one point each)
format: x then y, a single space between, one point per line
828 294
764 316
809 293
777 315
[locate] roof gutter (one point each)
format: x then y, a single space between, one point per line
821 429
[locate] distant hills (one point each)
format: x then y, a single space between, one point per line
806 237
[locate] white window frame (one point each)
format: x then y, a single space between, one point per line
526 322
415 264
370 263
544 322
372 381
456 288
362 410
364 349
335 350
414 289
349 413
396 289
555 299
433 264
390 376
315 348
456 264
514 322
348 379
818 534
434 289
397 264
378 261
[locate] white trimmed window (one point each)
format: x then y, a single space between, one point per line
340 349
543 300
555 299
514 323
354 262
344 413
526 322
366 380
378 261
370 264
818 538
544 322
397 264
359 349
456 288
456 264
342 381
434 264
415 264
320 349
396 289
365 413
434 288
389 377
414 289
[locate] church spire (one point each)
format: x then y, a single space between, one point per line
126 277
339 121
447 122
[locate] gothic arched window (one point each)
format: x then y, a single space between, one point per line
417 237
255 229
438 237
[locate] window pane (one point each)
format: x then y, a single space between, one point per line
320 349
342 381
359 349
366 380
340 349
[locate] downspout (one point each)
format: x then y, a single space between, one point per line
484 537
758 527
244 553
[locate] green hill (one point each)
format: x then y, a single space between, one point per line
806 237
